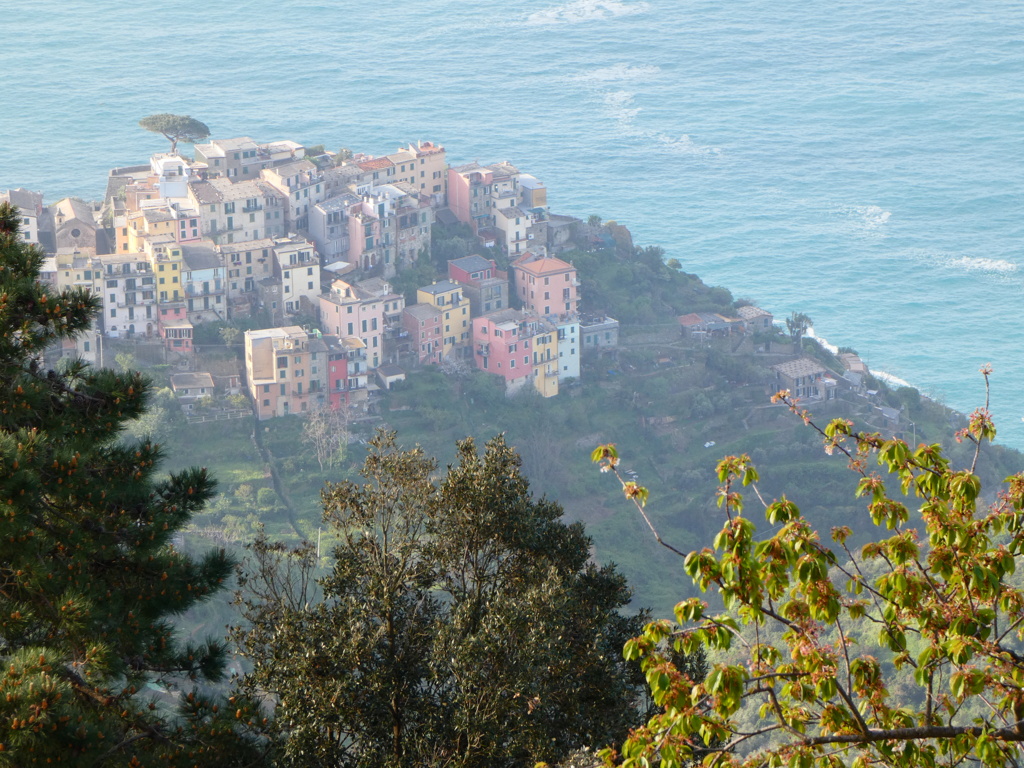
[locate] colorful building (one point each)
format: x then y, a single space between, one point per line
519 347
423 323
449 297
546 285
346 310
485 285
286 370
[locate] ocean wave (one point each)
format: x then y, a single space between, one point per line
810 334
962 264
889 378
619 105
982 264
618 73
866 217
584 10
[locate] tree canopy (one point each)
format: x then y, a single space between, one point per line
461 623
176 128
906 652
89 578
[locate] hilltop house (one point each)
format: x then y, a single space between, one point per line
806 379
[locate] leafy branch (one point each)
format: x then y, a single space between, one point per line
941 603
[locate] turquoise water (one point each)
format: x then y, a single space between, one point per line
858 161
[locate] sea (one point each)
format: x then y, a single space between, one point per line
859 161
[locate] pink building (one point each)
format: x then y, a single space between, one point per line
423 323
348 311
484 284
174 327
502 346
337 374
546 286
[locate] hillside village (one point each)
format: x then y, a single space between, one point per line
303 246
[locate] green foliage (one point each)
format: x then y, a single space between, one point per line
903 653
90 579
125 361
798 324
658 292
461 623
229 334
176 128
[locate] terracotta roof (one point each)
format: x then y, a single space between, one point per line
545 265
375 164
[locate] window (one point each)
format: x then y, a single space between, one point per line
229 208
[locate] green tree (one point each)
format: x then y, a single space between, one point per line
229 334
125 361
904 653
89 580
176 128
797 324
461 623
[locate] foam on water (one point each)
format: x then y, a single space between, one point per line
621 107
584 10
616 73
963 264
981 264
893 381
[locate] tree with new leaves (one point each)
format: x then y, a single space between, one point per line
89 579
797 324
905 653
176 128
461 623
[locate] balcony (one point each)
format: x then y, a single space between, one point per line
252 208
483 349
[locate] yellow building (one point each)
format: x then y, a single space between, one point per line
425 166
77 269
448 296
165 259
545 359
